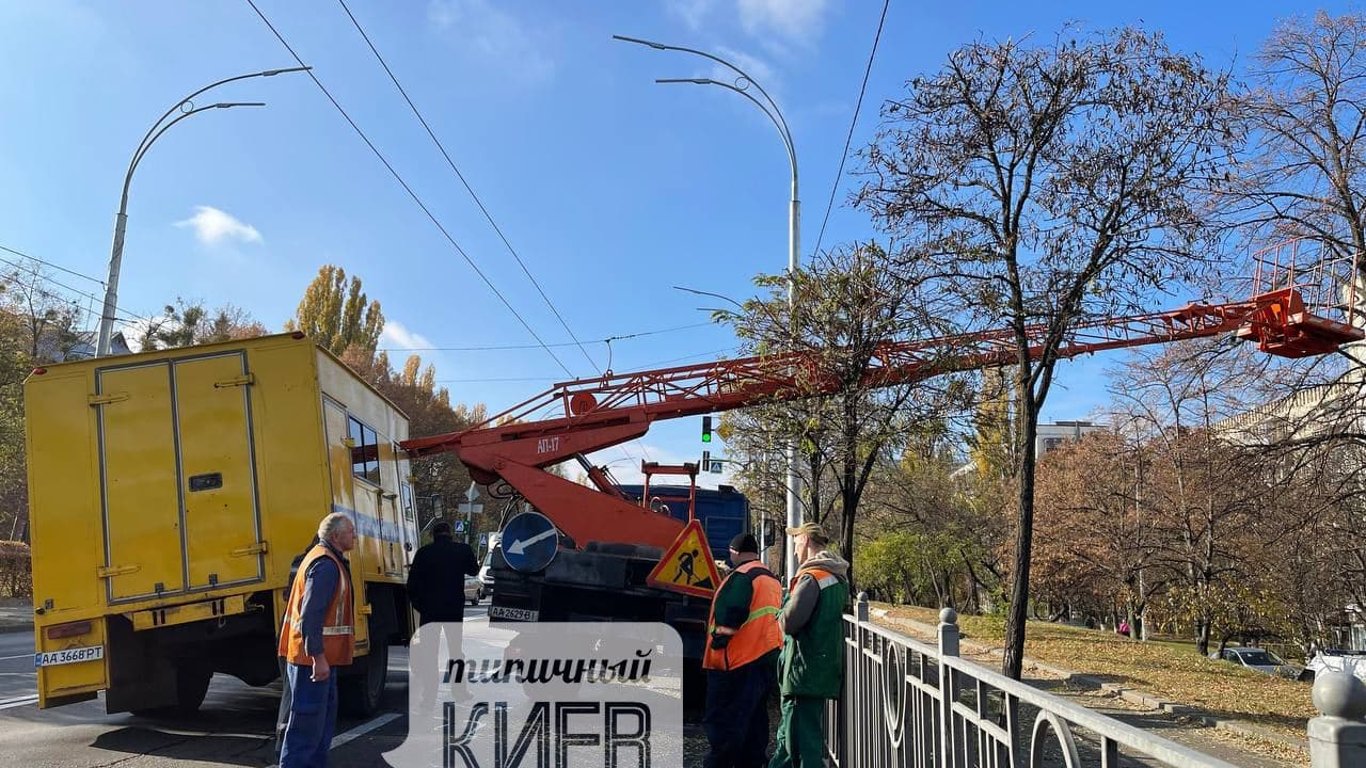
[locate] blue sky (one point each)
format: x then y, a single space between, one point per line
611 188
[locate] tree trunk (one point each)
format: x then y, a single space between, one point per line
1012 662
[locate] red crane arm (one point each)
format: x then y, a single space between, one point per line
588 415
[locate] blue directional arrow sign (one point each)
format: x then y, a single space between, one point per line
529 542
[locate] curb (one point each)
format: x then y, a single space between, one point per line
1131 695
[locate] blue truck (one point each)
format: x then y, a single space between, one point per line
724 512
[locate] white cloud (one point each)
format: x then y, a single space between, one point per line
692 12
797 20
496 36
212 226
756 67
396 334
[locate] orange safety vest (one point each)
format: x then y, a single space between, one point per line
823 577
759 634
339 635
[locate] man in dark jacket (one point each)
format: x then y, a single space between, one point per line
436 580
436 589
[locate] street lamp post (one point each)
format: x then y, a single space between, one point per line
187 108
741 86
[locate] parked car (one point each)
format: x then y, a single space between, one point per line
1335 660
1259 659
486 568
474 589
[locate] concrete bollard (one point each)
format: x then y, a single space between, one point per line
1337 737
861 608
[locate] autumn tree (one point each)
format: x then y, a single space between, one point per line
849 303
337 314
186 324
1041 185
1097 545
428 407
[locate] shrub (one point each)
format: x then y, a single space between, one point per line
16 569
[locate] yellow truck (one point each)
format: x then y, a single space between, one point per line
171 496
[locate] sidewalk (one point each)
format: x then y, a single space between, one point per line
1051 676
16 615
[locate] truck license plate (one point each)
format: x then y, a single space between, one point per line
516 614
68 656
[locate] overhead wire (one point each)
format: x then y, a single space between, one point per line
848 140
60 284
509 347
407 188
58 267
489 217
548 378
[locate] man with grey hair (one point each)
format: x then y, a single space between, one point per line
317 634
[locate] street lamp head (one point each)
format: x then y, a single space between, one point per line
692 80
274 72
231 104
638 41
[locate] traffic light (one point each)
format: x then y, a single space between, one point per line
706 461
706 429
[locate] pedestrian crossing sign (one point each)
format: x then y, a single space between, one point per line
688 566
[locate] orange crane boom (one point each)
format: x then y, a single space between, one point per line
591 414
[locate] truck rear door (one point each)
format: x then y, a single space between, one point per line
178 475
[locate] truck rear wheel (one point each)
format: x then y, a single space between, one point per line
191 686
359 694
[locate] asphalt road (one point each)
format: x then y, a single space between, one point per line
17 679
234 727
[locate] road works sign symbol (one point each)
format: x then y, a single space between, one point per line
687 567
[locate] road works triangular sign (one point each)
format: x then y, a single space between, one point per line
687 567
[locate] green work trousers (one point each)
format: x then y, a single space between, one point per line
801 734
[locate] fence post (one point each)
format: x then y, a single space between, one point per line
849 722
948 632
1337 737
948 688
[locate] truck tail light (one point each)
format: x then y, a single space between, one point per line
74 629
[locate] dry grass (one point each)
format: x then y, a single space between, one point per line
1168 670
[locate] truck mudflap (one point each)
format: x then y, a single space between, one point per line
72 661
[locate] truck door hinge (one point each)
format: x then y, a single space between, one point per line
106 399
259 548
110 571
245 380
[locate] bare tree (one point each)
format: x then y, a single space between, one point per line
1305 173
1044 185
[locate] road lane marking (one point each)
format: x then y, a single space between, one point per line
364 728
20 656
22 701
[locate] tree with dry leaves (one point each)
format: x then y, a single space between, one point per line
1044 184
849 302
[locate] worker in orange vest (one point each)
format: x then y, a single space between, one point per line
741 660
318 635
